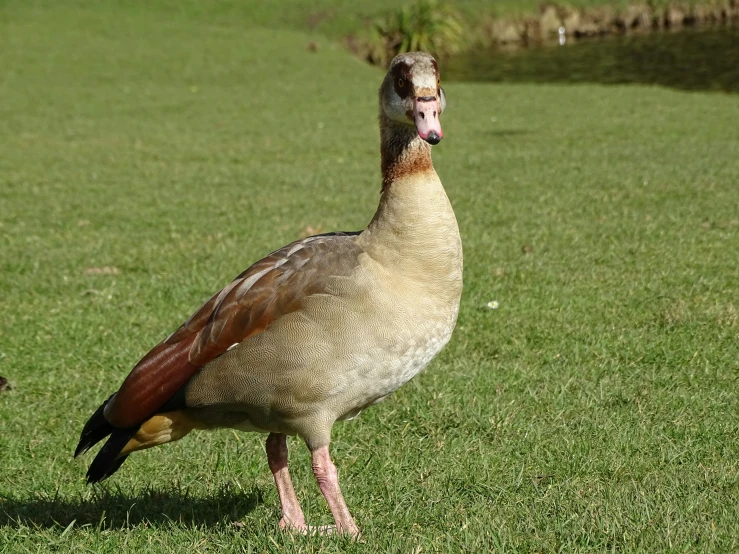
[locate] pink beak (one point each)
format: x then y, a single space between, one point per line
426 116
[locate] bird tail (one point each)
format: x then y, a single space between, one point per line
158 429
107 460
95 430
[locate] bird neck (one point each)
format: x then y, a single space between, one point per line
414 230
403 152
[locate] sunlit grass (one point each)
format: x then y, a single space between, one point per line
595 409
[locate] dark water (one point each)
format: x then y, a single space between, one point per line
688 59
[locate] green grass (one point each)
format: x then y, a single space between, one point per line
596 409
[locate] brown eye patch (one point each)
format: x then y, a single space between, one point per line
402 79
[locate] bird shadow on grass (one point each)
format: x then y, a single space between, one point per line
114 509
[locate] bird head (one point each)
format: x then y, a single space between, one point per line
411 94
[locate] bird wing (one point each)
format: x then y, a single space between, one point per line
272 287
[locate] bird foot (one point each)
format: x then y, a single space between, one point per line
320 530
302 528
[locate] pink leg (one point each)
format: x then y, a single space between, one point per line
328 480
292 514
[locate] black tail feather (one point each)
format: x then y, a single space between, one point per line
107 462
96 429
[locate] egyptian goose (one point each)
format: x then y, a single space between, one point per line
319 329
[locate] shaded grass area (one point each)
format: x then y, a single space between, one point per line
595 409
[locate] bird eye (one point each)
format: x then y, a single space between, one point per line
401 82
438 83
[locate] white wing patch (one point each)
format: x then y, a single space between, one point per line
246 284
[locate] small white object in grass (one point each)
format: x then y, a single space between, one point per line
493 304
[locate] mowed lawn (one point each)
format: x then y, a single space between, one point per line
147 157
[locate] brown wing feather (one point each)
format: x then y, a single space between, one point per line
272 287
